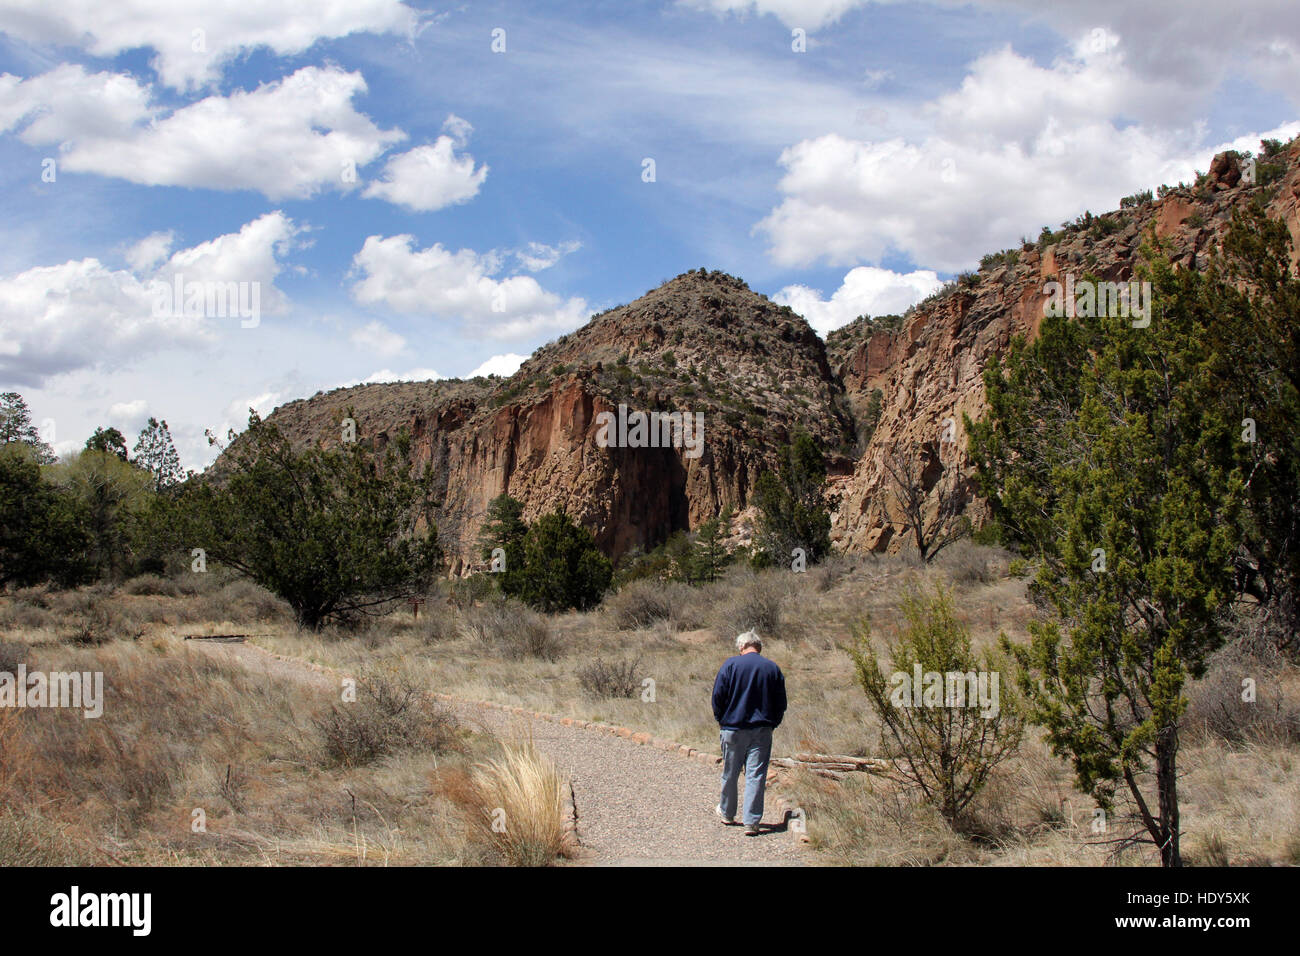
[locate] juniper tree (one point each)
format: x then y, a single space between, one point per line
556 566
337 532
1108 458
1257 343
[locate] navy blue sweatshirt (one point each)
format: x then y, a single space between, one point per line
748 692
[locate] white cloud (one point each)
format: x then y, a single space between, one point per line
68 103
866 290
378 338
808 14
537 256
236 413
432 176
1016 147
503 365
287 139
183 56
387 375
82 314
149 251
130 412
441 284
1195 48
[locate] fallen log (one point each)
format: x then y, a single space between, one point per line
833 765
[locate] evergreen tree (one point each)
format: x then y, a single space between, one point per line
42 530
108 440
156 453
1108 457
708 556
503 526
556 566
16 427
336 532
792 504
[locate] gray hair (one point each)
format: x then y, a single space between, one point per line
749 639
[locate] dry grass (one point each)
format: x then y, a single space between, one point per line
249 750
183 731
513 806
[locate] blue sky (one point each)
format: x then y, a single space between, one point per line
411 202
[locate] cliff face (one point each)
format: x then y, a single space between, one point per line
701 344
704 343
929 370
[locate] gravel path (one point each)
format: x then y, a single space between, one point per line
636 805
639 806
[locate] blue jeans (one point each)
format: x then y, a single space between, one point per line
747 750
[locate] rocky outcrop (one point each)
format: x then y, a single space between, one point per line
700 344
705 343
930 370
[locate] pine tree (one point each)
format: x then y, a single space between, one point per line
108 440
16 427
156 453
503 526
792 504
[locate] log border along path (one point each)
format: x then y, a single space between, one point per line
635 799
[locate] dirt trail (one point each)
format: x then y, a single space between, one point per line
636 805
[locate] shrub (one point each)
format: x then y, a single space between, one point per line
945 748
11 655
643 602
966 563
468 591
152 585
602 679
756 605
1216 707
511 629
390 715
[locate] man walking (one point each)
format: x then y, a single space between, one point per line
748 701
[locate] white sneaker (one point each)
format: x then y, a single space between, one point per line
729 821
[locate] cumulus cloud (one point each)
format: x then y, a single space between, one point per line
1017 146
503 365
149 251
866 290
286 139
83 314
193 39
442 284
432 176
378 338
